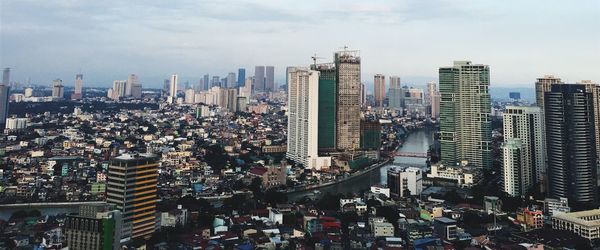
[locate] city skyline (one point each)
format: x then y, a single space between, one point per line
168 42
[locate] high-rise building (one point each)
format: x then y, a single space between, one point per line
6 77
131 186
119 88
465 125
542 85
363 95
136 91
571 144
132 80
173 89
523 127
4 90
259 79
231 80
395 94
190 96
516 176
58 90
232 95
241 77
379 87
370 135
216 82
77 94
206 82
347 64
269 78
433 98
303 108
595 90
327 105
405 181
95 227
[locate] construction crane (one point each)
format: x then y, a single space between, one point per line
314 58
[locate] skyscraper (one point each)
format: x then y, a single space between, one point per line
241 77
433 100
303 96
216 82
206 85
542 85
516 176
465 125
595 90
132 80
259 79
6 77
173 89
571 144
347 64
58 90
231 80
131 186
524 127
119 88
4 89
77 94
395 93
269 78
327 105
379 87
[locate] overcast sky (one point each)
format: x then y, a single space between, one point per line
106 40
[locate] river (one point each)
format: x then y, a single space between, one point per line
417 142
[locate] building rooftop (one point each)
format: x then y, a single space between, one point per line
579 217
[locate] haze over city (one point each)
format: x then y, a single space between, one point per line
107 40
317 125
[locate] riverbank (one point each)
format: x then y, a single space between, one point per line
418 140
341 180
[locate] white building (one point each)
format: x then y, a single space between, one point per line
28 92
58 90
400 180
172 88
381 190
303 118
190 96
463 175
382 229
16 123
275 216
525 160
118 90
584 223
516 176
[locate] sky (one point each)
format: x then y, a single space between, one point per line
107 40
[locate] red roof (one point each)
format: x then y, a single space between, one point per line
258 171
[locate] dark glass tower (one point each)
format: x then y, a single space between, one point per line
571 146
327 106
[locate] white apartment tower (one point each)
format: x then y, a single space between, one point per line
173 89
303 118
524 149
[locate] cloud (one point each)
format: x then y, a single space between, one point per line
109 39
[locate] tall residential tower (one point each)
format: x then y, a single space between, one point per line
465 107
571 143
